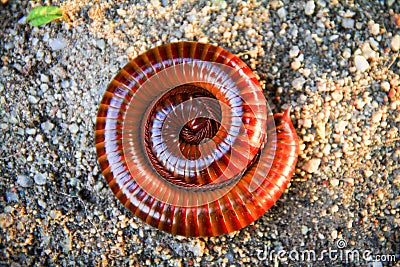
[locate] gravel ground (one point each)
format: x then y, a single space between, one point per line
335 62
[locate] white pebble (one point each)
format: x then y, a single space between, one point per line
348 14
44 78
312 165
73 128
374 44
294 51
334 208
307 123
30 131
39 138
42 203
341 126
300 57
57 43
361 63
385 85
368 173
309 9
298 83
337 95
65 84
368 53
304 229
282 13
373 28
24 181
334 234
348 23
327 149
346 53
32 99
101 44
295 65
377 117
359 103
334 182
40 178
44 87
395 43
349 224
47 126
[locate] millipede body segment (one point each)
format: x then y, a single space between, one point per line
186 141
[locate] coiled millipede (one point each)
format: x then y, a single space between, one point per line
186 141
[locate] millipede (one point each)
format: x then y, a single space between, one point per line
187 142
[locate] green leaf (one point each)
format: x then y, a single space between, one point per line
43 14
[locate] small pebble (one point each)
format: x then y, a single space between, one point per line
346 53
73 128
39 138
57 43
42 203
395 43
327 149
334 208
334 182
337 95
30 131
368 53
361 63
373 27
304 229
294 51
368 173
282 13
334 234
374 44
348 14
348 23
391 93
295 65
385 85
196 247
44 87
298 83
8 46
341 126
312 165
65 84
47 126
307 123
309 9
24 181
11 196
40 179
21 20
44 78
32 99
101 44
55 214
395 203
